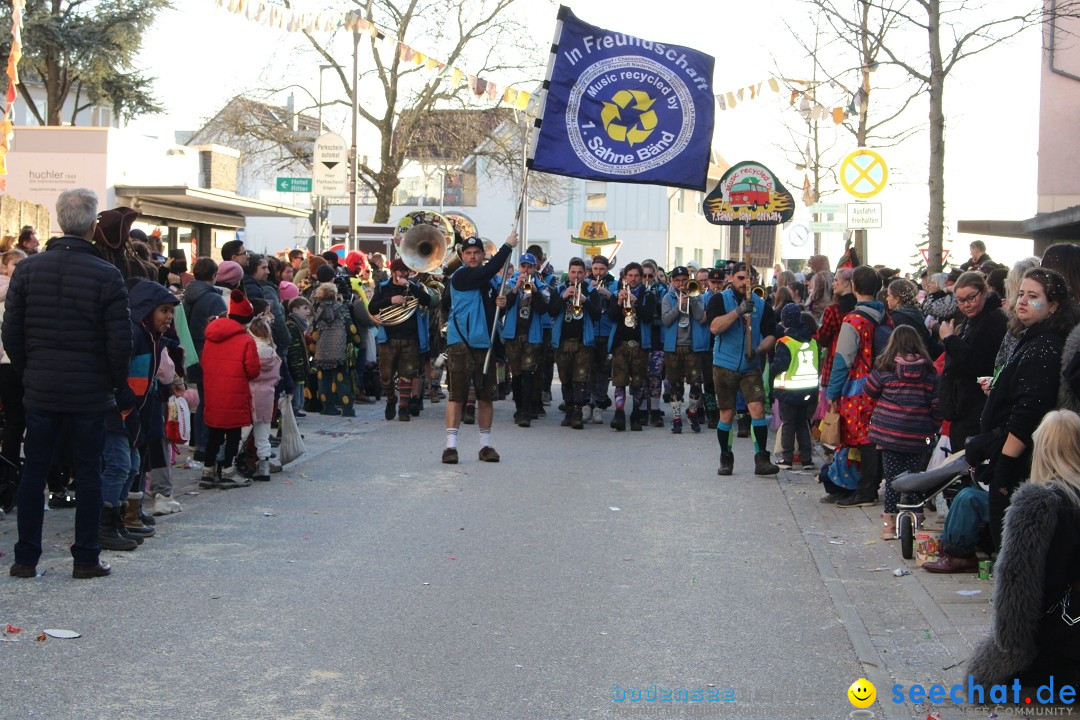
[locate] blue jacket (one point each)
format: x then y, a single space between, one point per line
594 310
469 300
645 305
539 304
700 337
421 325
729 347
147 422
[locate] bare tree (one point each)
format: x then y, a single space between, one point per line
953 30
483 35
845 52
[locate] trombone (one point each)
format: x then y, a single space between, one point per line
692 289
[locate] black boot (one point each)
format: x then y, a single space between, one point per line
568 418
744 426
109 537
712 418
727 463
764 466
391 407
468 416
416 404
656 418
636 419
619 421
576 421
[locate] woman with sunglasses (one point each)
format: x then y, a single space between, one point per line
1024 391
970 344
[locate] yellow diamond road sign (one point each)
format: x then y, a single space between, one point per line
864 173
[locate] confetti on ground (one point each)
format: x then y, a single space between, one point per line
451 558
901 572
968 593
611 507
836 542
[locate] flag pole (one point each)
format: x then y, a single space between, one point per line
506 272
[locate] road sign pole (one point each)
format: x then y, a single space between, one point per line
354 167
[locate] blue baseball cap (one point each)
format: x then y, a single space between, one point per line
527 258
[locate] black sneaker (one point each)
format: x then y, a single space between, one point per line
831 498
727 463
61 501
856 500
391 408
784 464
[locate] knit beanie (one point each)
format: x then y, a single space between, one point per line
230 273
791 316
398 265
288 291
240 308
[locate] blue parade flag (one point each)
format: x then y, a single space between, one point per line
623 109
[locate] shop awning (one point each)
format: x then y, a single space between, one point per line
200 205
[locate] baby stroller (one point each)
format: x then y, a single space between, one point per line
949 478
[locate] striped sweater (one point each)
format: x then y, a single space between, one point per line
907 415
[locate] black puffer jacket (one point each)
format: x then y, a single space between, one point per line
67 330
969 354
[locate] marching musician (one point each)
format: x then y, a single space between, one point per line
631 313
716 279
603 284
403 332
652 390
737 316
545 371
468 338
575 310
685 337
526 302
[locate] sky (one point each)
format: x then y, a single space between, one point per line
991 100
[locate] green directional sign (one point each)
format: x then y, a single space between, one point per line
287 184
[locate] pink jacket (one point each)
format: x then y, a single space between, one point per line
262 387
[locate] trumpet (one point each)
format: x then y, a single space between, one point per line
629 317
758 290
576 310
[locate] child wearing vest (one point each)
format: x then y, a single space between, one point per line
906 417
795 368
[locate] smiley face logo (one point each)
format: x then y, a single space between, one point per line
862 693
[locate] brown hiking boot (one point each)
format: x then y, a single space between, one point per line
449 456
488 454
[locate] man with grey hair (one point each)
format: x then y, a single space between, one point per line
67 332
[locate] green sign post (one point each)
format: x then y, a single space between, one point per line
296 185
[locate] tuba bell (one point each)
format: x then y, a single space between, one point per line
423 248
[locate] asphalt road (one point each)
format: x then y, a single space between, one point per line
371 581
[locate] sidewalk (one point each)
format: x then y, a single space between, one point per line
322 434
918 628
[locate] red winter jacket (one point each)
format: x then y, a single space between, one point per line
229 361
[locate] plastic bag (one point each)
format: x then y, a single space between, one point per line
178 423
292 445
941 453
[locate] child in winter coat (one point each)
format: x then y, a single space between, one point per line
230 362
907 416
262 387
299 321
795 369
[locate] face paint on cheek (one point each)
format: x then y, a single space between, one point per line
1036 303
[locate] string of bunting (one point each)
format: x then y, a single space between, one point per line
7 126
281 18
730 99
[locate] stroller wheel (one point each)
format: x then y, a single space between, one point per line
907 536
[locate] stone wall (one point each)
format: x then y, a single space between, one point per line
14 214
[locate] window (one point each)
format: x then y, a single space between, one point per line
678 256
595 195
700 200
698 255
717 256
679 200
539 204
